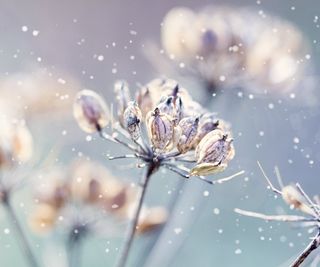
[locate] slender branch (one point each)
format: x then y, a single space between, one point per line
275 190
74 246
312 205
114 139
124 254
24 243
314 244
282 218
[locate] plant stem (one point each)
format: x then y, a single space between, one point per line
314 244
25 245
124 254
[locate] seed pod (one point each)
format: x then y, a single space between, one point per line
122 93
90 111
188 129
16 144
43 218
213 153
293 197
160 129
144 100
132 117
209 122
171 106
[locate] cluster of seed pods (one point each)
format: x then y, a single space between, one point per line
175 125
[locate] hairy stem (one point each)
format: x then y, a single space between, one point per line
314 244
25 245
124 254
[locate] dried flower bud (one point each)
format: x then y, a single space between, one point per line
213 153
16 144
160 129
90 111
132 117
43 218
122 93
188 132
293 197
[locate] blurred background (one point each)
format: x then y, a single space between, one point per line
90 44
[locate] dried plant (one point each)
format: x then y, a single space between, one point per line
100 196
163 128
297 199
232 47
16 148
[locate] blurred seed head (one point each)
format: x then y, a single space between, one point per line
151 219
132 117
90 111
43 218
161 129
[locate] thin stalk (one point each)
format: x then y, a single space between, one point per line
24 243
314 244
124 254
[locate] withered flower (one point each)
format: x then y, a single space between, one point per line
90 111
131 118
188 131
160 129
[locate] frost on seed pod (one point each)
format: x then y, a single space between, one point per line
122 93
160 129
144 100
131 118
188 131
294 198
213 153
90 111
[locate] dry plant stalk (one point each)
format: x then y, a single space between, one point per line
163 127
296 198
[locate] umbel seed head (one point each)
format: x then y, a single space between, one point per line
90 111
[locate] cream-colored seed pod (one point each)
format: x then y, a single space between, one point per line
293 197
43 218
90 111
131 119
160 129
188 132
16 144
122 93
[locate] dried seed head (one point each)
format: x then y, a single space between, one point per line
132 117
216 150
188 132
16 144
90 111
294 198
160 129
122 93
43 218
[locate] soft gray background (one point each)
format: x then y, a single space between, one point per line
96 25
